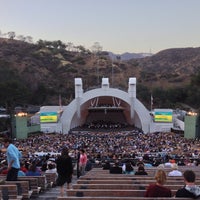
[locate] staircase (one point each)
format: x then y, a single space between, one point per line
54 192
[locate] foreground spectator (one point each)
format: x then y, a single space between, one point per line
158 189
190 190
64 169
13 159
82 162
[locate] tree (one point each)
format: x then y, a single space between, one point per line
96 48
29 39
70 46
41 43
21 38
11 35
58 44
81 48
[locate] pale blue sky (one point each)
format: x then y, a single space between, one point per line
118 25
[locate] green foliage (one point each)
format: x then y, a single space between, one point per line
79 60
34 74
193 92
195 80
147 76
6 72
71 69
143 94
39 96
13 93
4 124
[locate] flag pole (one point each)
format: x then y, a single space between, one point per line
151 102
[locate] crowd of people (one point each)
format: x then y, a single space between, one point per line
83 149
154 148
108 125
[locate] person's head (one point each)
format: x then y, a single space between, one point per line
64 151
189 176
7 141
174 166
32 167
51 166
161 177
82 151
116 164
161 166
141 169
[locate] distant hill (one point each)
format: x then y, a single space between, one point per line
170 67
128 56
45 70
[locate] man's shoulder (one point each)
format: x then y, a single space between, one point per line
182 192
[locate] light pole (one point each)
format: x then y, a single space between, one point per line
98 71
112 74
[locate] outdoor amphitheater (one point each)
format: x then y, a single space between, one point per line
114 127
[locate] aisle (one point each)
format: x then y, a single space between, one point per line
50 194
53 193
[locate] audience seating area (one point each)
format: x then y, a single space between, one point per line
26 187
9 192
99 184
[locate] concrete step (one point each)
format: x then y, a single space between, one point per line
50 194
53 193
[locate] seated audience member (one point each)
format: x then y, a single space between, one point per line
168 164
33 171
140 162
175 171
23 167
158 189
148 165
161 166
88 166
128 167
4 170
116 169
190 190
21 173
51 168
44 167
141 171
3 167
106 165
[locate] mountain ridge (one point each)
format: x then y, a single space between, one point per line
128 56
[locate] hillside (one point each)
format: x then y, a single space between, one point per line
171 67
45 70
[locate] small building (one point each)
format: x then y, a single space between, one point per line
21 126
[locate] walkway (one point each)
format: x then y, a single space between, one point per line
52 193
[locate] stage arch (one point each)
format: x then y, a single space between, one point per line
105 99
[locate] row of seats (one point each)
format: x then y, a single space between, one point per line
26 187
100 184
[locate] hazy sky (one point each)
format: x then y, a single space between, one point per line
118 25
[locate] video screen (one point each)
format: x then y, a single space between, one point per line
163 116
48 117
